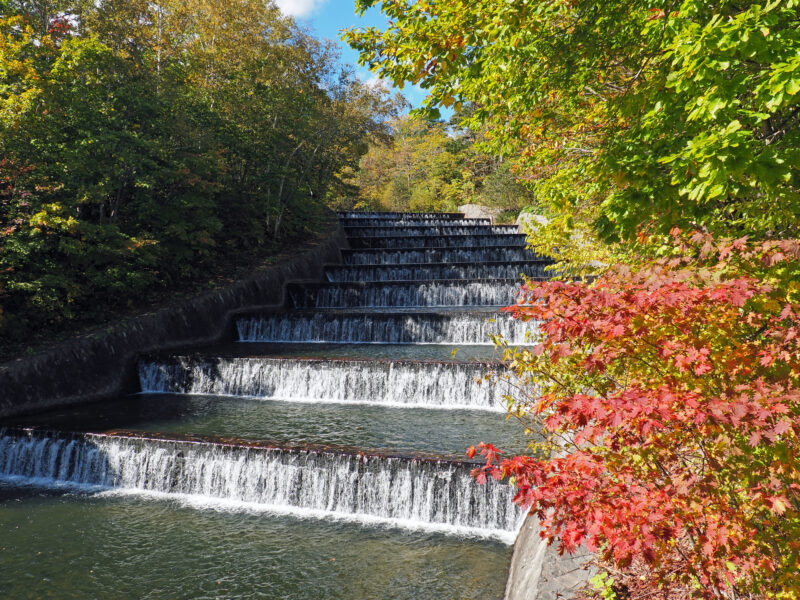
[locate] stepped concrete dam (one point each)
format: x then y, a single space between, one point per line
311 446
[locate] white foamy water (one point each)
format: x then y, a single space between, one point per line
499 292
457 228
447 385
402 492
377 328
412 221
438 241
417 272
398 216
436 255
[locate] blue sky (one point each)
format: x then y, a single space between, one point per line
328 17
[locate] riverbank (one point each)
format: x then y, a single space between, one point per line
90 365
220 275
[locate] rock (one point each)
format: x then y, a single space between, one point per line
538 572
529 222
476 211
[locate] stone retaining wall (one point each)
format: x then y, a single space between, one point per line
102 364
537 572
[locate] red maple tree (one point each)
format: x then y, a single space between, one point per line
670 394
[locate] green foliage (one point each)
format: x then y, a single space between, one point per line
142 142
679 113
716 122
428 165
605 585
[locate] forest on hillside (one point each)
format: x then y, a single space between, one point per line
427 164
143 142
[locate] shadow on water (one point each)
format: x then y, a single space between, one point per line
20 493
404 431
355 350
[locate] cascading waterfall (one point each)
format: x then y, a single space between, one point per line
448 385
430 222
398 264
496 292
438 241
418 272
436 255
385 328
419 493
392 217
428 230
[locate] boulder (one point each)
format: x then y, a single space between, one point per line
529 222
476 211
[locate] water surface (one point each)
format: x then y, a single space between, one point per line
401 430
460 352
99 546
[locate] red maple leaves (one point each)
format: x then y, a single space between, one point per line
672 389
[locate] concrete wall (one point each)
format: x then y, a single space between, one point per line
477 211
537 572
102 364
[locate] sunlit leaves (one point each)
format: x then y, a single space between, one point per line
683 113
672 393
430 166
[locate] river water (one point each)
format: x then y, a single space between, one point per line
318 455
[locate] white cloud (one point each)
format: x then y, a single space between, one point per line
376 81
299 8
373 80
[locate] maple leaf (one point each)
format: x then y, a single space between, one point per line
778 504
781 427
479 475
766 359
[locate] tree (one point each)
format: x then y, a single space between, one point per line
670 390
670 380
676 113
144 142
429 165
